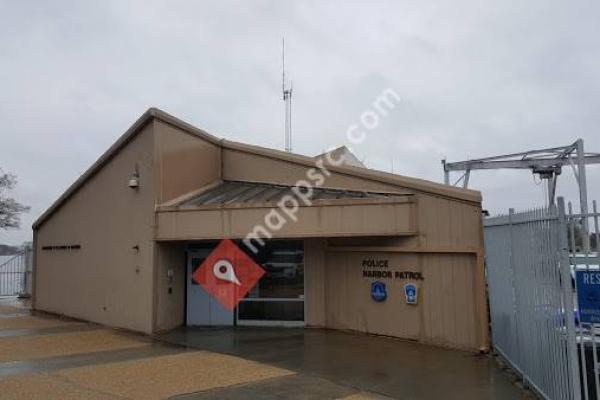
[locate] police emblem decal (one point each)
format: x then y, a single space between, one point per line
378 292
410 291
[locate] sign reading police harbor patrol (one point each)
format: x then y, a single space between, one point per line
380 269
588 295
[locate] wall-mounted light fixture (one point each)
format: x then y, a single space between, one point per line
134 179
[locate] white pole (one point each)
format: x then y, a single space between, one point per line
583 200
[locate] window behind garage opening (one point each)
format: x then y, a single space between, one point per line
278 298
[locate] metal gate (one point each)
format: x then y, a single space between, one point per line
584 249
15 274
531 299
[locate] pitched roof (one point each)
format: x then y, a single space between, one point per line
155 113
228 192
401 181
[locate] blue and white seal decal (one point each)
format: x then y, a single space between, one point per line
410 291
378 292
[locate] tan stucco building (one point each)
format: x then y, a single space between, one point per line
119 246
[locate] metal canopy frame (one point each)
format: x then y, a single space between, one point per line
547 163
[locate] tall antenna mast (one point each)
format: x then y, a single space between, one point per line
287 100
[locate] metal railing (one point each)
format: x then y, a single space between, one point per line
15 274
583 244
531 299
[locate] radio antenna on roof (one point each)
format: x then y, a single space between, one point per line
287 100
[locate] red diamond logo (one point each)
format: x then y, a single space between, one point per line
228 274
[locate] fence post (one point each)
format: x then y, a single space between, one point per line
27 271
511 258
565 271
583 201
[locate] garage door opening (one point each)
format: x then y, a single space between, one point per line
276 300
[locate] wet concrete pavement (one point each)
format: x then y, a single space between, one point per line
385 366
298 386
46 331
309 363
79 360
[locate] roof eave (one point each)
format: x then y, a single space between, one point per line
380 176
125 138
149 115
155 113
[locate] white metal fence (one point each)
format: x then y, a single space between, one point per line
533 262
531 299
15 274
584 247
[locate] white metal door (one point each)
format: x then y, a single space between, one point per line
202 309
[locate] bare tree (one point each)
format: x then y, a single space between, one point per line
10 209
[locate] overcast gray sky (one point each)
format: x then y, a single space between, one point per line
476 78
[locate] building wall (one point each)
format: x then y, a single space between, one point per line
314 282
114 284
170 290
107 280
448 252
318 220
447 228
446 310
185 162
448 224
238 165
349 304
